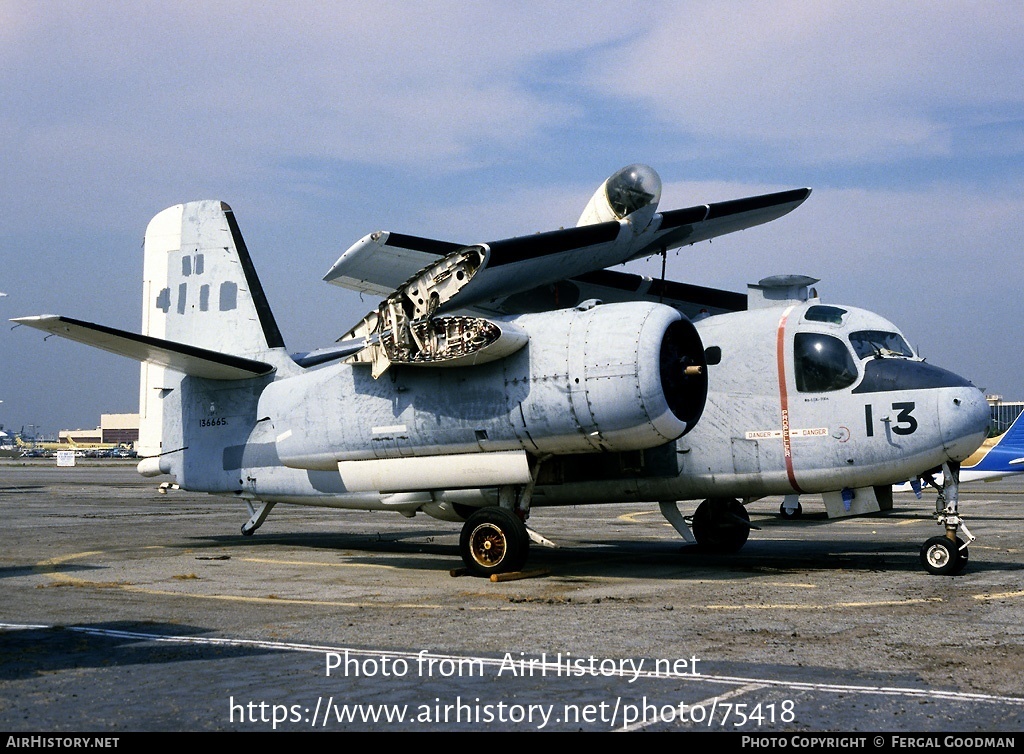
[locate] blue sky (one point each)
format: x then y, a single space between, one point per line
321 122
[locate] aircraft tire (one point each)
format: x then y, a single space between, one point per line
494 540
721 525
791 515
941 557
962 560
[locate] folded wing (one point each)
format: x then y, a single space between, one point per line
450 276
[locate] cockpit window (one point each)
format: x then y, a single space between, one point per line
879 343
823 363
821 313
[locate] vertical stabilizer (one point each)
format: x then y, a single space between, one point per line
199 288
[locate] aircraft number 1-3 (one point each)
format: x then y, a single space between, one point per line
905 423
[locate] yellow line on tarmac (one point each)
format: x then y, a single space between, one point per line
998 595
631 516
876 522
65 558
317 563
883 603
63 579
266 600
787 585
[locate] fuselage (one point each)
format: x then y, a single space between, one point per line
803 398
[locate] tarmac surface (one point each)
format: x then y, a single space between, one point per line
123 609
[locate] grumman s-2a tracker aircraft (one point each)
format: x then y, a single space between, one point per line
498 376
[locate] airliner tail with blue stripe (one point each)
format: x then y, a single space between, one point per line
998 456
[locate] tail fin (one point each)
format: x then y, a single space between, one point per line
199 284
199 289
999 456
209 343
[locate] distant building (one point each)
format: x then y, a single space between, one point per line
1003 413
117 429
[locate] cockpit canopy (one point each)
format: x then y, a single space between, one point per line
824 362
879 343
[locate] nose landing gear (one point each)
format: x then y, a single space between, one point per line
947 555
942 557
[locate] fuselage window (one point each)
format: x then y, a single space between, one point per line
823 363
879 343
821 313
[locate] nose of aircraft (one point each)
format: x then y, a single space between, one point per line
964 418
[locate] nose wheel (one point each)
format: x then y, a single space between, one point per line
941 556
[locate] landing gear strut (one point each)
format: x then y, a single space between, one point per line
947 555
791 508
257 515
721 524
495 539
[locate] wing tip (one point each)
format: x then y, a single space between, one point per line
36 319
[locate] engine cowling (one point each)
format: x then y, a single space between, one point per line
608 378
595 378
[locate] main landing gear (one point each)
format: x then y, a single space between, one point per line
947 555
791 508
494 540
721 524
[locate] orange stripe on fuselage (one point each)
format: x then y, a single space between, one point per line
780 350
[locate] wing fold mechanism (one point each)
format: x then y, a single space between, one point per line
406 329
424 277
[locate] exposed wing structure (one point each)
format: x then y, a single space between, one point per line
380 262
198 362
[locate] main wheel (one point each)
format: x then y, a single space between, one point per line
721 525
494 540
942 557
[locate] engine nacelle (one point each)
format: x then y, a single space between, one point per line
601 378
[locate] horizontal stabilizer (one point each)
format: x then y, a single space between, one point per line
190 360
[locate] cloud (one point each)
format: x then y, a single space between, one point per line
838 81
394 83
